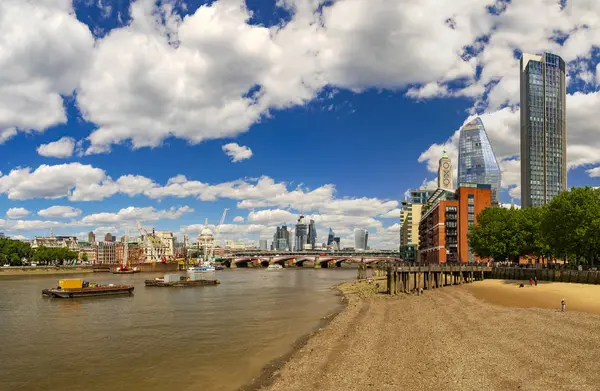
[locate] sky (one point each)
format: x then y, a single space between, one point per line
167 112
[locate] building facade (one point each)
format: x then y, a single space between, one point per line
543 128
90 250
312 235
262 244
52 241
128 253
107 253
361 237
301 235
91 237
446 221
477 162
282 239
445 173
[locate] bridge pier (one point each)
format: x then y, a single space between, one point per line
317 264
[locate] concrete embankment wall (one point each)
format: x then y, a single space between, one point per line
558 275
37 270
152 267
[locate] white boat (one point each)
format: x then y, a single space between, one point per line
274 267
201 269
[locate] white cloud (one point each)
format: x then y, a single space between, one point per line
59 211
238 219
39 63
62 148
392 214
16 213
237 152
272 216
133 214
76 181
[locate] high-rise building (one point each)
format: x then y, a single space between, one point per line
330 237
420 196
543 128
301 234
476 160
262 244
91 237
312 235
445 174
361 236
109 238
282 239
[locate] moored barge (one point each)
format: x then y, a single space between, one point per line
180 281
68 289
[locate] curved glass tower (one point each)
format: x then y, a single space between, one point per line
476 160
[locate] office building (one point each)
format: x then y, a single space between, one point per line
409 230
445 174
543 128
90 250
446 221
361 237
301 234
106 253
91 237
476 160
282 239
262 244
52 241
330 237
312 235
420 196
109 237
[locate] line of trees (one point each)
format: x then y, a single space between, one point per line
568 228
53 255
13 252
18 253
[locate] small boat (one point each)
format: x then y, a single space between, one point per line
219 267
125 270
179 281
68 289
274 267
205 268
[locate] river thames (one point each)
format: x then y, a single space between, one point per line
203 338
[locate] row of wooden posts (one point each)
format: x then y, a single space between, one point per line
415 279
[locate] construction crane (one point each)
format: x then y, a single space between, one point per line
149 238
212 250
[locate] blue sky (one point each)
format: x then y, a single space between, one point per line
112 112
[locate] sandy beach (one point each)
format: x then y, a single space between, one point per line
487 335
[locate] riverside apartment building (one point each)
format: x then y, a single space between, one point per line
445 222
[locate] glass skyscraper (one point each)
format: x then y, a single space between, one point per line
361 237
543 128
477 163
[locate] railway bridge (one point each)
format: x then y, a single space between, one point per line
295 260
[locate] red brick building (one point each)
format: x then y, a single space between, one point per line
445 222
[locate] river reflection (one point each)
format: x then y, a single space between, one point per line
205 338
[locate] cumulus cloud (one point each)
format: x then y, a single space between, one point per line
59 211
62 148
39 63
238 219
16 213
237 152
133 214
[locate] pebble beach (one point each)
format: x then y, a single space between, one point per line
454 338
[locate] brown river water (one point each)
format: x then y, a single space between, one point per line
200 338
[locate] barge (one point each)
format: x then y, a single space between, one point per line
126 270
68 289
180 281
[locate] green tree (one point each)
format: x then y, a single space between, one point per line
571 224
498 234
84 257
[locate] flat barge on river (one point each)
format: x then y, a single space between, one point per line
68 289
180 281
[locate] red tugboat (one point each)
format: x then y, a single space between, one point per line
126 270
68 289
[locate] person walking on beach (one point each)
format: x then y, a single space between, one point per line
563 305
535 280
530 281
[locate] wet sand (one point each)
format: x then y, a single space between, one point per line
453 338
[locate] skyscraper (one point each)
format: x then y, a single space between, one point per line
312 234
330 237
361 236
91 237
262 244
477 163
543 128
301 234
445 174
281 239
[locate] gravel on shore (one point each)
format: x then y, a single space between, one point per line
446 339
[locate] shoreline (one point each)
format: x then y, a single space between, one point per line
270 371
386 343
41 272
